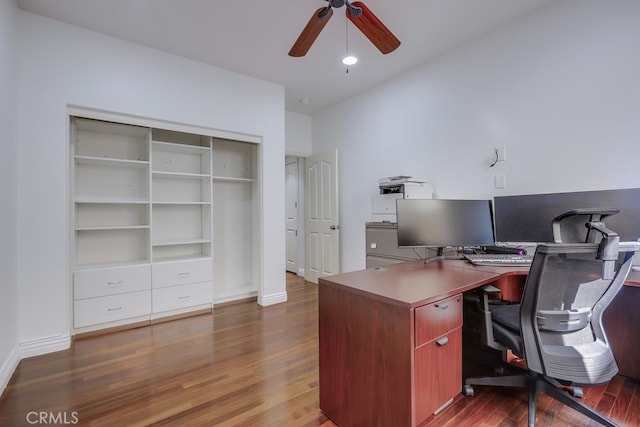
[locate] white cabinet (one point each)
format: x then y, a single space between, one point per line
111 294
181 284
163 222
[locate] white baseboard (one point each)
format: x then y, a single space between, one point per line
44 345
265 300
8 368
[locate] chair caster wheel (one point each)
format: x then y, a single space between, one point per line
577 392
467 390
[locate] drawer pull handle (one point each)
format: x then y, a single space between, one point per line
185 297
114 282
443 306
184 273
114 309
442 341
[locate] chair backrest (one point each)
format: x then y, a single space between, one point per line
565 295
571 226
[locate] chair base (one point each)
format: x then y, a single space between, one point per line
536 383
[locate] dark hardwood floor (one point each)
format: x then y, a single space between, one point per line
243 365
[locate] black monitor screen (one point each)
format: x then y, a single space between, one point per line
527 218
440 223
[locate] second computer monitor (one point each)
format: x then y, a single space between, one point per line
440 223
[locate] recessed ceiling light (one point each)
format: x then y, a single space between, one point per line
349 60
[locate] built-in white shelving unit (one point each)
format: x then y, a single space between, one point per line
111 197
163 222
181 201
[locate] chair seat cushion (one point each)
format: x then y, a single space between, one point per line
506 327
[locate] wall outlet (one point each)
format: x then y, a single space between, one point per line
501 154
501 181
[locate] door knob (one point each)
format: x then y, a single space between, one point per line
335 227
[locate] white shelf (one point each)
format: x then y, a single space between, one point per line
108 161
159 259
179 175
119 244
111 201
113 227
105 265
181 203
177 242
234 161
98 139
179 148
232 179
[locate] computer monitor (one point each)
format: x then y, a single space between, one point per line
438 223
528 218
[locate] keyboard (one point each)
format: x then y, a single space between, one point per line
499 260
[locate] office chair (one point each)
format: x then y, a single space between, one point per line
557 327
580 225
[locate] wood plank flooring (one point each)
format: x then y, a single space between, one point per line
243 365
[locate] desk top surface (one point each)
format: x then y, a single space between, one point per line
415 283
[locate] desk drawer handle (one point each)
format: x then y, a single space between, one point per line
114 309
443 306
184 273
114 283
442 341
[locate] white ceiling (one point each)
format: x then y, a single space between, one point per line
253 37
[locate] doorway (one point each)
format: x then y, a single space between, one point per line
294 213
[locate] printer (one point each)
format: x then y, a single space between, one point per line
397 187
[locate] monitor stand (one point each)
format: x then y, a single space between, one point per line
441 256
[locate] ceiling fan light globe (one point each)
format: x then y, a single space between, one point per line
349 60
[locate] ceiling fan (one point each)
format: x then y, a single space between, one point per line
359 14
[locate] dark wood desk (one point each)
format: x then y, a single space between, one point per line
391 339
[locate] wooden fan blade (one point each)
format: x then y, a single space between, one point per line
311 31
374 29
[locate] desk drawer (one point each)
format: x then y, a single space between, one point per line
438 318
438 373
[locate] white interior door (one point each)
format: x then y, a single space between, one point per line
291 211
322 257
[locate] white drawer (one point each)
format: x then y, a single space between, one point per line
181 272
93 311
176 297
111 281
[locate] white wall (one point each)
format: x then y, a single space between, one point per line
8 194
297 134
61 65
559 89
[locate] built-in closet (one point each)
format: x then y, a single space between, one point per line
163 222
